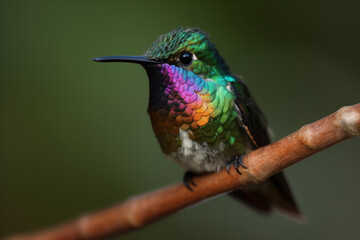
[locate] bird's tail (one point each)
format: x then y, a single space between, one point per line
274 192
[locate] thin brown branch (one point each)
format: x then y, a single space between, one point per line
141 210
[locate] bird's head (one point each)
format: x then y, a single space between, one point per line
188 50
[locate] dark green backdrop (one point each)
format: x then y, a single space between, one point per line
75 136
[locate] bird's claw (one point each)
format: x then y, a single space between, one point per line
237 161
188 178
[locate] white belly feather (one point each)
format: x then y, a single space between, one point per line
199 157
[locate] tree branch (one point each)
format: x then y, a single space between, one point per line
141 210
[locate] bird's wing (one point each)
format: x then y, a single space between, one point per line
251 119
275 191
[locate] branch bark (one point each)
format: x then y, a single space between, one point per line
141 210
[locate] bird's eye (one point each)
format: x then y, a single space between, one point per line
186 58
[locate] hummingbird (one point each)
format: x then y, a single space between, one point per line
204 117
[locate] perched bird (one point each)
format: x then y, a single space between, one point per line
204 116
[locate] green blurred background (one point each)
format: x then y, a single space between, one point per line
75 135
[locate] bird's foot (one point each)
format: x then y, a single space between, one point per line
237 161
188 180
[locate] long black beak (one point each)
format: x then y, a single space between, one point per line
134 59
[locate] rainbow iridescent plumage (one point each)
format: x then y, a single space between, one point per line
184 101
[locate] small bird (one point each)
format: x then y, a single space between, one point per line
204 116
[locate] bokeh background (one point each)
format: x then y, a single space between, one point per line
75 135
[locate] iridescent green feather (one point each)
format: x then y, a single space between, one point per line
209 63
